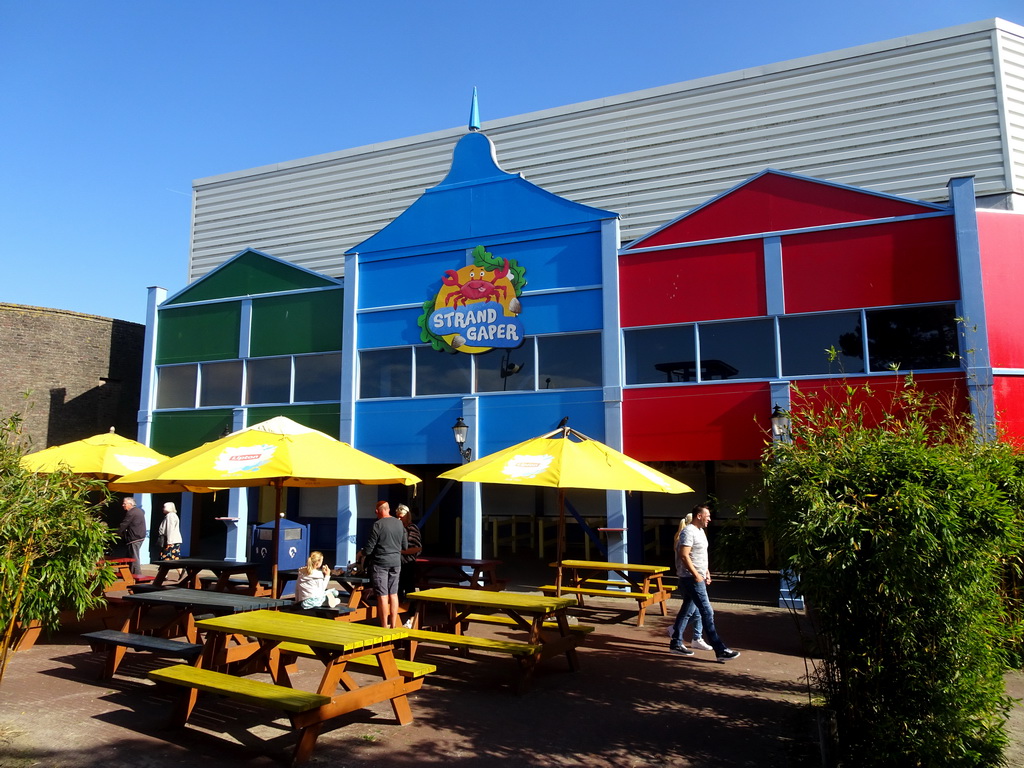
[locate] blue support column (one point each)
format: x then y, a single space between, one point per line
472 506
237 524
146 402
617 518
345 540
238 506
974 350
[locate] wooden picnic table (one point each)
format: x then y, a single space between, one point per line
187 604
222 570
335 644
543 620
458 572
589 578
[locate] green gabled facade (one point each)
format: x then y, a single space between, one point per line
225 344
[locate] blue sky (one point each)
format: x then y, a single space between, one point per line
111 109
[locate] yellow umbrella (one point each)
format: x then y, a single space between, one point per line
571 460
279 453
105 457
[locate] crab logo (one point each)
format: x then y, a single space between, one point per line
477 307
522 467
247 459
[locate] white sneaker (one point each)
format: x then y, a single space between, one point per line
408 624
701 645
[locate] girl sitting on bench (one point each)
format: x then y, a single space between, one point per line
311 587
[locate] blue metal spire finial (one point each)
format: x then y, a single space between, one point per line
474 113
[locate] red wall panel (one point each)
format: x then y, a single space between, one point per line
696 423
1008 399
773 202
1001 237
711 282
950 389
906 262
713 422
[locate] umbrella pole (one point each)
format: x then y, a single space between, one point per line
561 524
277 538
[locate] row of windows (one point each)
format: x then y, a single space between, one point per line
864 341
542 362
292 379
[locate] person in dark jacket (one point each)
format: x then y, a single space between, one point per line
133 531
407 578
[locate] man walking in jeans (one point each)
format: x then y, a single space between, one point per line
694 578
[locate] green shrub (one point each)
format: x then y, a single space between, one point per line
901 534
51 539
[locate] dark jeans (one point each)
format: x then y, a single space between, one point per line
696 592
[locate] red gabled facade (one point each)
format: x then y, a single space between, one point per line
778 246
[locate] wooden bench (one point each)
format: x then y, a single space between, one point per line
495 618
117 642
408 669
239 688
643 599
525 655
620 583
474 643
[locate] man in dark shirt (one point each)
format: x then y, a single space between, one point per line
384 548
133 531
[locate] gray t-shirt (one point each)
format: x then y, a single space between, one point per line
386 542
697 540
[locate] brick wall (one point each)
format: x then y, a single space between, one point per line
83 373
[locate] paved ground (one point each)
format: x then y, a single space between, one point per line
631 704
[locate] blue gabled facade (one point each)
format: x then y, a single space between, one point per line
561 268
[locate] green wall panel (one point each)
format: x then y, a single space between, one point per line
249 274
181 431
293 325
195 334
325 417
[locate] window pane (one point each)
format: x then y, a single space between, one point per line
221 384
573 360
441 373
317 377
506 370
738 350
913 338
269 380
176 386
385 373
806 338
660 355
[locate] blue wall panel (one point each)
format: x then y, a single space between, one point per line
562 312
510 419
556 262
419 431
404 280
389 329
414 431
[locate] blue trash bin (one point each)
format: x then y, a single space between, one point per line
292 549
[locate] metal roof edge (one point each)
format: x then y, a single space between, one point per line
987 25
